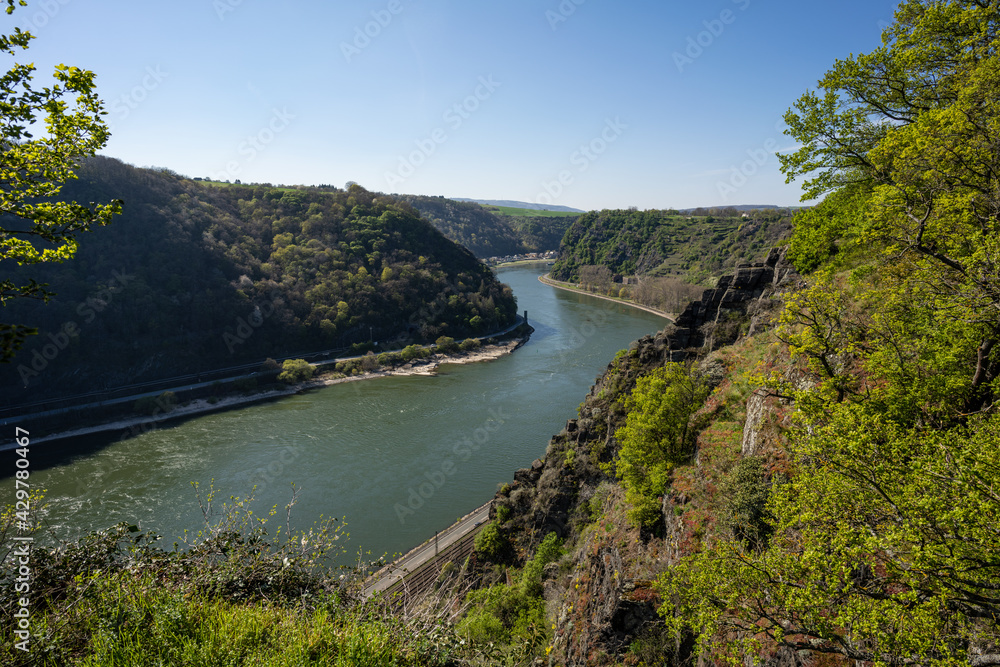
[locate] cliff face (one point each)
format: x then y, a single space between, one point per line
605 604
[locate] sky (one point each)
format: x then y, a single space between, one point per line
590 104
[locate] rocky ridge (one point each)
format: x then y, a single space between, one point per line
606 603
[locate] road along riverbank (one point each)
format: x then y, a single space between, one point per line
137 424
570 287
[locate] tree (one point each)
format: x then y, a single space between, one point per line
296 370
33 170
883 545
914 126
656 436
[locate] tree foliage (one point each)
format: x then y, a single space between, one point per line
34 164
884 543
657 435
665 243
489 233
195 277
296 370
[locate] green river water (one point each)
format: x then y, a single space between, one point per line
399 457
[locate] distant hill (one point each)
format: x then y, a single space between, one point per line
487 232
194 277
740 207
519 204
689 247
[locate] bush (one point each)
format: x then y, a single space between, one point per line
388 359
296 370
369 362
491 543
658 434
503 614
358 349
411 352
270 365
446 344
503 513
746 507
245 384
469 344
549 551
153 405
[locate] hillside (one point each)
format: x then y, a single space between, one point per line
666 243
804 470
193 277
508 203
490 233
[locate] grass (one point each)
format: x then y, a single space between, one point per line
530 212
223 184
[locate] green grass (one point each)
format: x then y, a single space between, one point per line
531 213
223 184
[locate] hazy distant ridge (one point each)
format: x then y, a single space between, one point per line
519 204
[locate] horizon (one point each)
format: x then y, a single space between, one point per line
571 103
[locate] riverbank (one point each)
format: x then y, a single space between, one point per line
136 425
522 262
569 287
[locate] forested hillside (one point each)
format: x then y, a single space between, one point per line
821 489
194 277
489 233
802 472
667 243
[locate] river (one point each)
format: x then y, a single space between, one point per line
399 457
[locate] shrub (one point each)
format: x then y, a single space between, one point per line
503 513
469 344
369 362
746 507
245 384
446 344
387 359
549 551
491 543
296 370
152 405
411 352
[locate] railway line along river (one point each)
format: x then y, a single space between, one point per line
399 457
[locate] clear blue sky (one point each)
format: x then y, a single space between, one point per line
481 99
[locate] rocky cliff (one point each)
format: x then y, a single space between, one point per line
604 604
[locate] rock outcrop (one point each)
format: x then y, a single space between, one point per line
559 493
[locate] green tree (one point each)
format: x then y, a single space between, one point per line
296 370
34 168
492 543
884 542
657 435
914 125
446 344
